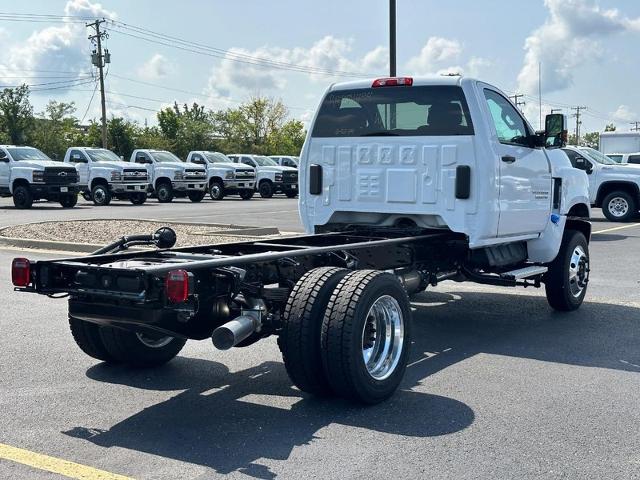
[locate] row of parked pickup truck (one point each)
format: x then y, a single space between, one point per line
27 174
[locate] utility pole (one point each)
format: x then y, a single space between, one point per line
578 122
636 126
556 110
392 38
100 59
516 99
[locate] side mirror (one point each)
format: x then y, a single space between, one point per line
582 164
555 130
3 157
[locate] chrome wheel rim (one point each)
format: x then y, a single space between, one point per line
153 342
383 337
215 192
99 195
618 206
163 193
578 271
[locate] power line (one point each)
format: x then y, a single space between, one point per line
578 121
515 98
636 126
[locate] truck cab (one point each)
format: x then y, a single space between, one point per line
27 174
286 160
444 152
224 177
271 178
625 158
103 176
170 176
613 187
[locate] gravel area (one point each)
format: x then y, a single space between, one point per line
100 232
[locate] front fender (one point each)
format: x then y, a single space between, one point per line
20 173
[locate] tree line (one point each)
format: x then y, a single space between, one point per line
261 125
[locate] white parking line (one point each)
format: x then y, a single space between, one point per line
613 229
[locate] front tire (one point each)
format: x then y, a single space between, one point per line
246 194
138 198
69 201
366 333
266 189
291 193
568 275
22 197
196 196
140 349
216 190
101 195
619 207
299 341
165 193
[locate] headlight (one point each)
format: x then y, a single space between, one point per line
278 177
38 176
229 174
178 176
116 176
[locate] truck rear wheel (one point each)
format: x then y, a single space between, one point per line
568 275
299 341
246 194
87 337
216 190
196 195
69 200
619 207
366 334
291 193
165 193
140 349
22 197
138 198
101 195
266 189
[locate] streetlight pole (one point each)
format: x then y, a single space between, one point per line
392 38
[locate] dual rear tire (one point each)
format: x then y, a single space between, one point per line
347 334
117 346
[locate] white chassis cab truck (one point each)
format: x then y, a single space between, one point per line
224 177
170 176
271 178
27 174
104 176
613 187
405 183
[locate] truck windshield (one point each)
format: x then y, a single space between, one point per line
616 158
26 153
164 157
217 157
103 155
596 156
264 161
394 111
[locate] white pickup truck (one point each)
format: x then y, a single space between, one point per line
224 177
613 187
170 176
404 183
103 176
27 174
271 178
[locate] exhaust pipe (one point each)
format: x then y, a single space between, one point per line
234 331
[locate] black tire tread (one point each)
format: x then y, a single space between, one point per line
87 337
555 285
300 338
633 206
125 347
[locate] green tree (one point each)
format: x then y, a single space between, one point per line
591 139
610 127
122 134
56 129
152 137
186 128
287 140
16 113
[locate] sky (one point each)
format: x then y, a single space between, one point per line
293 50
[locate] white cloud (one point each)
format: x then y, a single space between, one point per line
624 114
568 38
156 67
56 48
434 53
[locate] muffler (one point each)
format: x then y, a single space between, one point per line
235 331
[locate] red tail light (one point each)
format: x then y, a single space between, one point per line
177 286
393 82
21 272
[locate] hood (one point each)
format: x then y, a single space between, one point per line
230 166
115 164
277 168
624 168
41 164
179 165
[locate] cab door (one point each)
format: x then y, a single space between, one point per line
5 170
525 183
81 162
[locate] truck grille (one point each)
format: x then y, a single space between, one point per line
139 175
290 177
60 175
245 173
194 174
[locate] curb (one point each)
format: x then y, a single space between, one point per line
48 245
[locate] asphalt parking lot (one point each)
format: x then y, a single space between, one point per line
499 386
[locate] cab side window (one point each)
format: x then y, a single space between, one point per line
510 126
634 159
142 158
196 158
248 161
76 156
